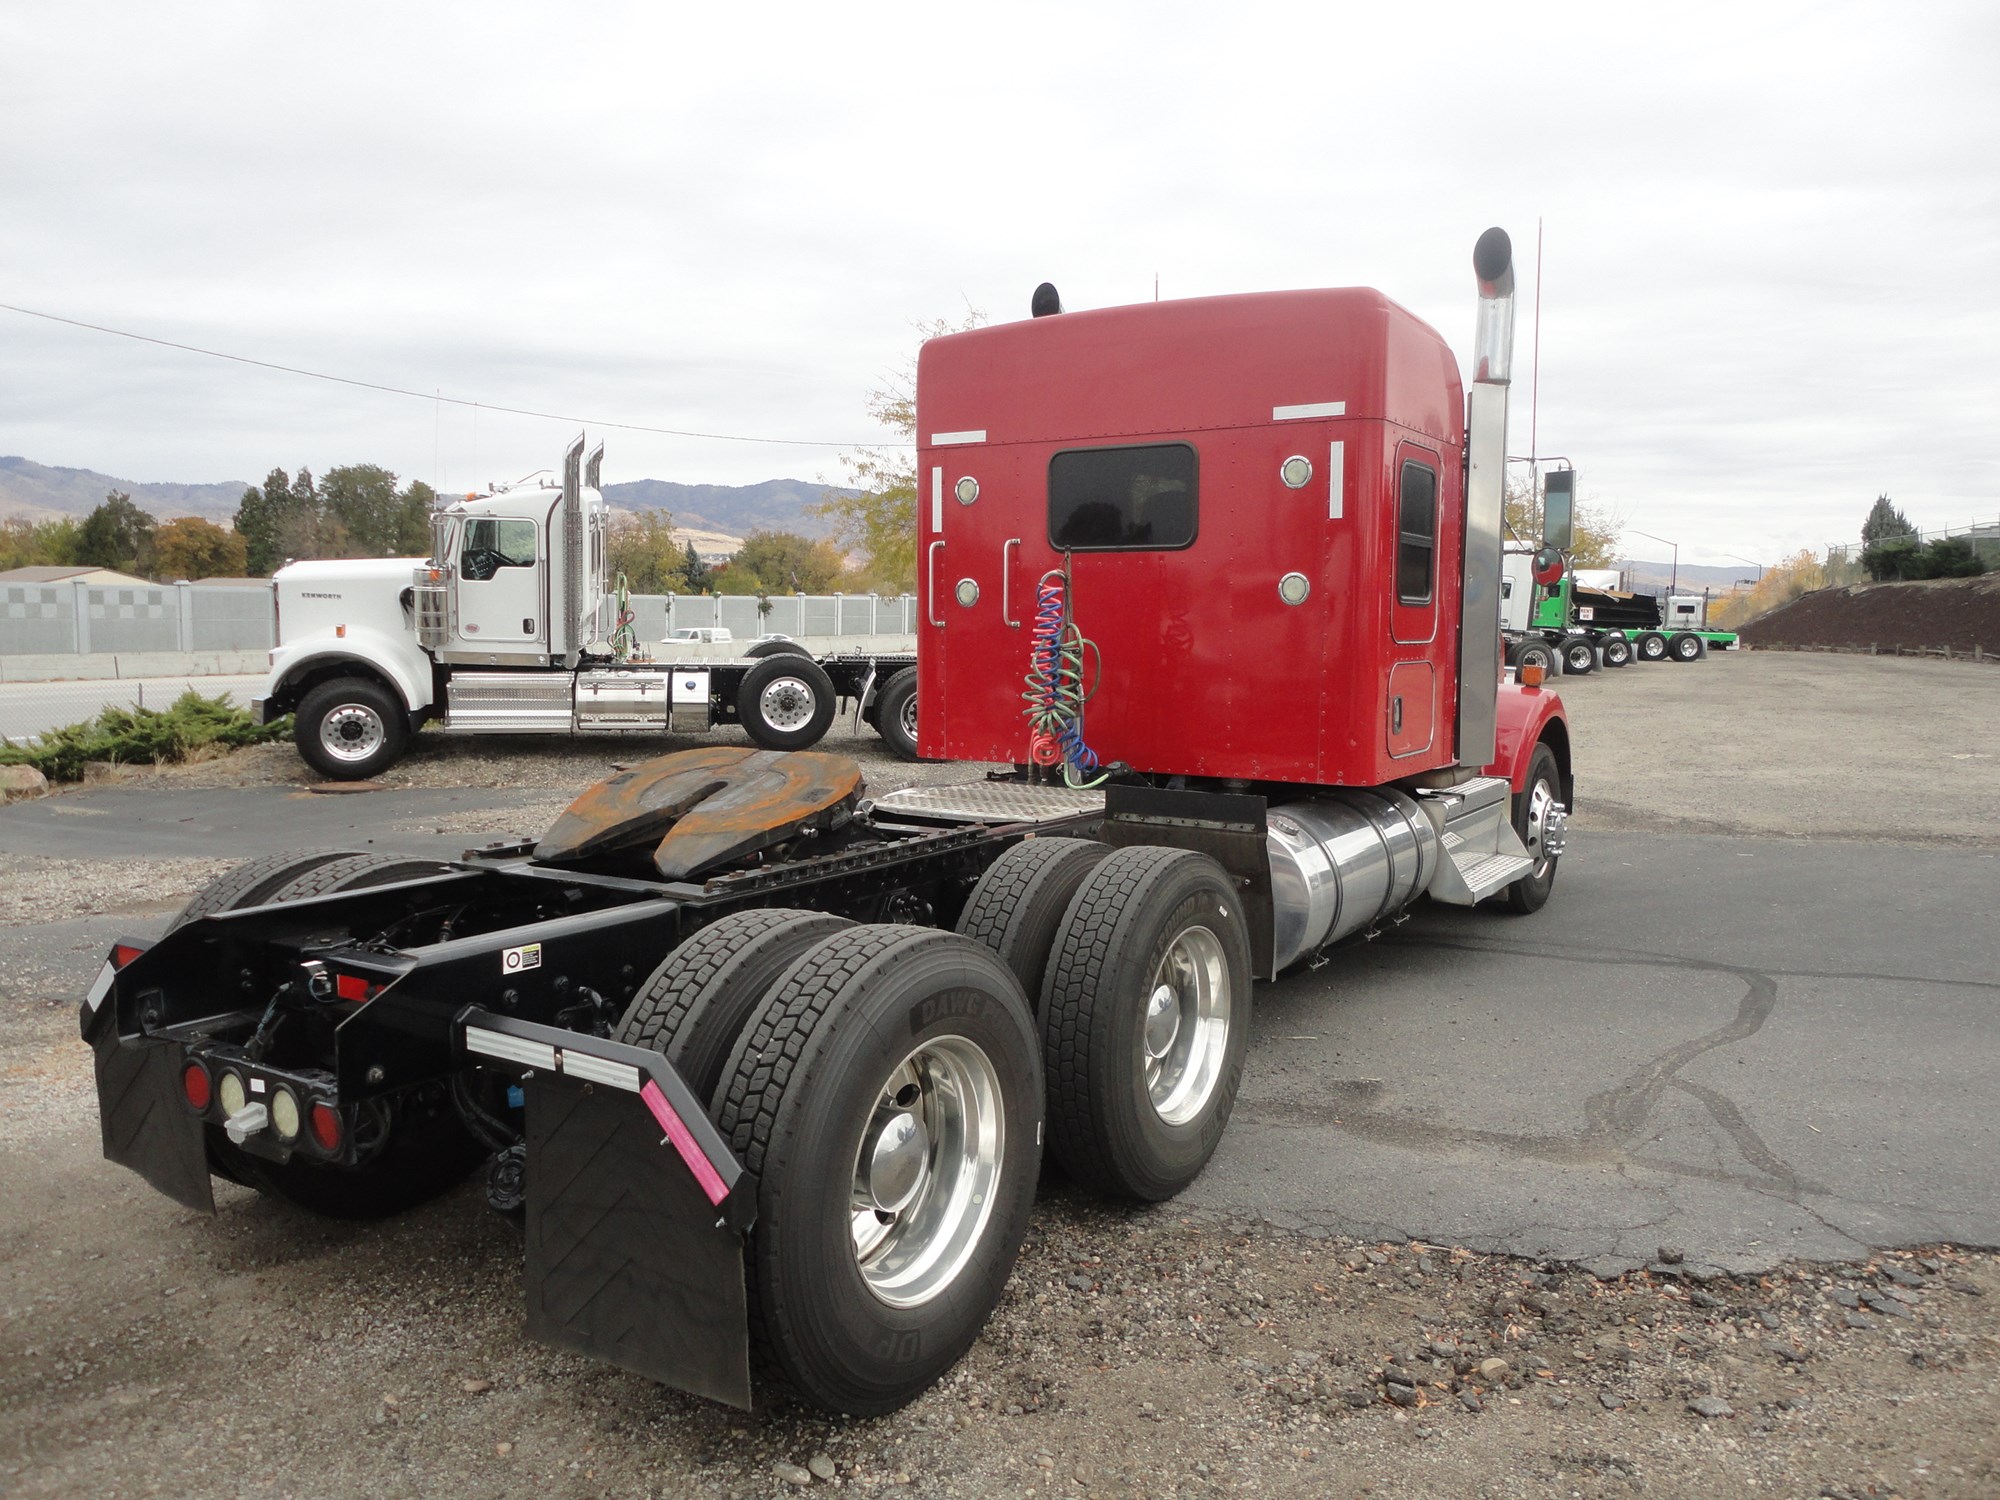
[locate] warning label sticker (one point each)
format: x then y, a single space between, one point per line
527 956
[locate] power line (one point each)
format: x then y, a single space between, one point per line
396 390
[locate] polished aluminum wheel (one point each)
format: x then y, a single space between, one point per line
786 703
353 731
1542 808
1186 1032
925 1171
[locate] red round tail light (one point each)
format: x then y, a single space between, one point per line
195 1084
325 1123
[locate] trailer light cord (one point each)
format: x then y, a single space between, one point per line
624 639
1056 695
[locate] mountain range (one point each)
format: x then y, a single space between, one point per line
41 492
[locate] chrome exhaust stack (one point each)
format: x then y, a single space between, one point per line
1485 492
574 558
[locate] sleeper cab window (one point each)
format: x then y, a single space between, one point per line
1123 499
1416 533
491 545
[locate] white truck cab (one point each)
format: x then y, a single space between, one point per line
510 626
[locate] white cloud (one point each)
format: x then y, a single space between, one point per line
1770 229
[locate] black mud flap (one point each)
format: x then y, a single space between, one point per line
146 1123
636 1210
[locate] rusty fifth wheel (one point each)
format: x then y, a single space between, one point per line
887 1100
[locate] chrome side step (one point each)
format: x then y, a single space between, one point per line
1483 854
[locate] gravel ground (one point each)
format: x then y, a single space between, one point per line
144 1349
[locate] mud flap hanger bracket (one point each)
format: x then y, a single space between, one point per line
657 1092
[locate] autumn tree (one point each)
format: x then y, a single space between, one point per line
30 544
880 522
192 548
643 550
116 535
787 563
1597 526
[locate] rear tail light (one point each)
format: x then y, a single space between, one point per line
285 1114
354 987
197 1086
123 953
326 1131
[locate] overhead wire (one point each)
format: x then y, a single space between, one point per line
436 397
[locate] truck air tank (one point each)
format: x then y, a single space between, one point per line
1341 862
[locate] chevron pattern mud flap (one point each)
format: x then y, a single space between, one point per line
147 1125
628 1259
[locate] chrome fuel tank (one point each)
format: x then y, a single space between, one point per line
1342 862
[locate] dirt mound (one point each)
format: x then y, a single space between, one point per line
1959 613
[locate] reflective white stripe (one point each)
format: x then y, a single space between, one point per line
600 1070
1309 409
937 501
101 986
1336 482
493 1044
945 439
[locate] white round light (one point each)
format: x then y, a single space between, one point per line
285 1114
1293 588
229 1094
1295 471
967 490
967 592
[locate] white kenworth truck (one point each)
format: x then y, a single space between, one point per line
512 626
766 1067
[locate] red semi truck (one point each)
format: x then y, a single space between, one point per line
766 1066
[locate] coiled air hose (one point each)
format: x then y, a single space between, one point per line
1056 694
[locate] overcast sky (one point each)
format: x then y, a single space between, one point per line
1769 285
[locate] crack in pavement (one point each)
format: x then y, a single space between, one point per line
1613 1117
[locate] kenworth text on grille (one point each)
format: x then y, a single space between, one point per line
768 1068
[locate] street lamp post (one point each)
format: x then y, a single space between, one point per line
1757 565
1674 582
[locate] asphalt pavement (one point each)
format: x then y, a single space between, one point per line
1752 1049
1748 1049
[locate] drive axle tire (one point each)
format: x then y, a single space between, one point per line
785 702
887 1104
252 882
1684 647
1019 903
699 999
777 648
1651 646
1579 657
1145 1021
1617 651
1531 807
895 713
350 729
